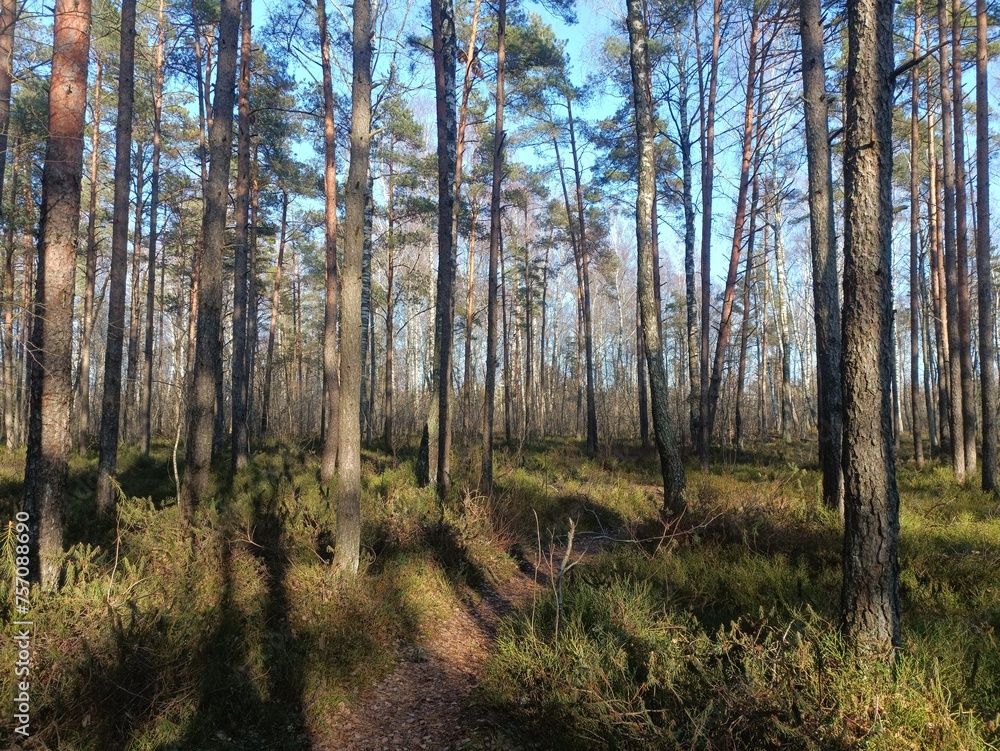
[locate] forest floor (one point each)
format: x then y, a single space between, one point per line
427 701
233 634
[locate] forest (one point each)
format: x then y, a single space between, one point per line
499 375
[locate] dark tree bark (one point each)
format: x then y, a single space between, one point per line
870 598
937 277
111 402
145 416
82 400
272 331
690 288
588 322
918 444
823 252
331 376
950 259
51 344
348 545
201 410
671 466
486 477
11 361
241 392
707 113
390 302
443 28
962 247
987 324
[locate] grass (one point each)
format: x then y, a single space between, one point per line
235 634
727 636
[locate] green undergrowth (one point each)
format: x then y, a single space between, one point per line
235 633
725 635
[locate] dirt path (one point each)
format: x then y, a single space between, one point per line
424 702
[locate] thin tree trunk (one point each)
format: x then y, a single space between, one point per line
499 136
348 544
784 326
690 288
950 259
331 377
154 198
641 377
86 340
937 279
987 320
469 310
240 391
588 322
275 313
928 364
918 445
707 113
747 285
870 600
725 323
135 309
51 345
671 466
962 247
10 366
823 252
390 302
202 405
111 400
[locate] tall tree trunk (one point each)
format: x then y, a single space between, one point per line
962 247
367 383
929 365
918 445
671 466
7 19
331 377
111 401
690 288
86 339
506 319
707 113
499 136
870 597
823 252
135 308
950 259
588 322
11 366
202 405
784 324
747 286
348 544
390 302
443 22
987 320
51 344
275 312
725 322
154 199
641 377
467 390
940 317
240 392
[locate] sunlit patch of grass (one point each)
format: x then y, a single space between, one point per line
725 634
